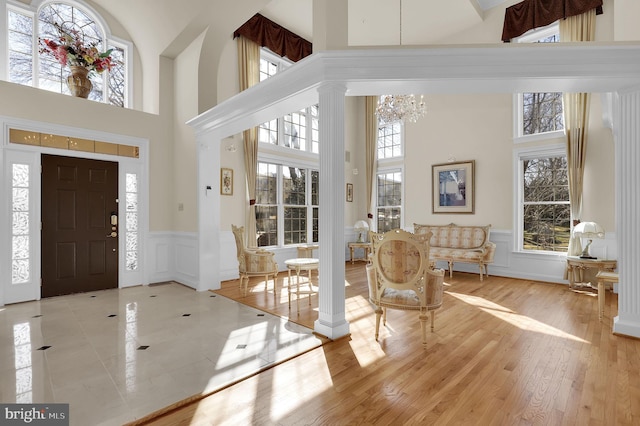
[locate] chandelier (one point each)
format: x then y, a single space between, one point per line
392 108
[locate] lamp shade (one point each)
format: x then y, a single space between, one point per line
360 226
588 230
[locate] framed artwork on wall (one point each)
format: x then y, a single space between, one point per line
453 187
350 192
226 181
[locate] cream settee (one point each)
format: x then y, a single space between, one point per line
455 243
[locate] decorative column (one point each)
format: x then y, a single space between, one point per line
627 158
208 211
331 320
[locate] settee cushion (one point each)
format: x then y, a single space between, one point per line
458 237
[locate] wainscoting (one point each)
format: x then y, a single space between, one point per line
173 256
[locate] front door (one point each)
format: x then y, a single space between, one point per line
79 225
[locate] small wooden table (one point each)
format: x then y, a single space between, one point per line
603 278
297 265
577 265
366 247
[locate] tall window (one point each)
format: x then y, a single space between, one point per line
27 67
288 179
544 210
540 113
389 176
286 205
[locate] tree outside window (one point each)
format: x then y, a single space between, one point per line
545 207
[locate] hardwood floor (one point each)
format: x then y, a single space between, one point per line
504 352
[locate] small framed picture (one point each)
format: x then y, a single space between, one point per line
350 192
453 187
226 181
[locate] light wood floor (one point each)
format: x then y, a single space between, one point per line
504 352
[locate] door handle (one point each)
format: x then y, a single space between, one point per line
112 235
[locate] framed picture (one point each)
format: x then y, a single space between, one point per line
226 181
453 187
349 192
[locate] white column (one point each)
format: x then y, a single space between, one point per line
331 320
208 211
627 160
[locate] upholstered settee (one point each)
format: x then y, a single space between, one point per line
454 243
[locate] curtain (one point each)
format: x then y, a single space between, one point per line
576 123
371 138
280 40
249 73
529 14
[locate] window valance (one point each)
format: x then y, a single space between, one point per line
278 39
529 14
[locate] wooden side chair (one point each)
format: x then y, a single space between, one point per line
400 277
254 262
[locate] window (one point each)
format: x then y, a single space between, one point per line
389 205
20 246
27 67
544 208
540 113
287 180
286 205
297 130
389 176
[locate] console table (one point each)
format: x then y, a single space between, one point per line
577 265
366 247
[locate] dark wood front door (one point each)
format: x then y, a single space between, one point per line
79 251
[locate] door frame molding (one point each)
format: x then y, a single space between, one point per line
9 151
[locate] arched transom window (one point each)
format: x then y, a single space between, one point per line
25 27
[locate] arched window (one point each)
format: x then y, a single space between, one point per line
25 26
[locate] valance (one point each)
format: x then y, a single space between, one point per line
529 14
278 39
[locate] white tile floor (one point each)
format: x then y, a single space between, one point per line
95 357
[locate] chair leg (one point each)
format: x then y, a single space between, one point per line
384 316
450 269
481 271
244 284
423 328
433 318
378 315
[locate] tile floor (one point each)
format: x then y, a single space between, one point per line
118 355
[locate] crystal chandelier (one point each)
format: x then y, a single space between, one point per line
392 108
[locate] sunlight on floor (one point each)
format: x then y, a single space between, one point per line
521 321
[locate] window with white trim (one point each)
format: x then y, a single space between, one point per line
544 215
389 176
287 181
286 205
26 66
540 113
131 225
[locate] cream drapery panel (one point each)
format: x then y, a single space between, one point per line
249 73
371 137
576 122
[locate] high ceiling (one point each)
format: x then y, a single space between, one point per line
167 26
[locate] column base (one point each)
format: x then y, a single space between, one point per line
626 327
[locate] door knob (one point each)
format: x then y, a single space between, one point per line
113 234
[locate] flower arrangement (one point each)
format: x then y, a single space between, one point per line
70 50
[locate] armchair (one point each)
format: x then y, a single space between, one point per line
400 277
253 262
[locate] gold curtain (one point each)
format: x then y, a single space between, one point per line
249 73
371 137
576 122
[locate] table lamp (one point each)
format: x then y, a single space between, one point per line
361 227
588 230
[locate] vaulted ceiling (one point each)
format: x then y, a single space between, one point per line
167 26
